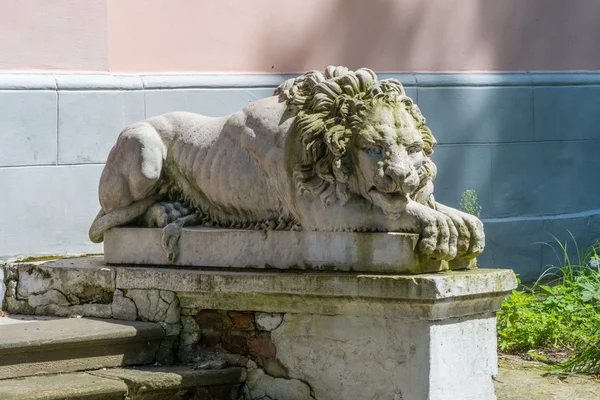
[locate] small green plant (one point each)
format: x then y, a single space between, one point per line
469 203
561 311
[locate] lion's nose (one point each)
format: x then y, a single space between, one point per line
397 171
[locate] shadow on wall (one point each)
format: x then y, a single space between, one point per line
493 138
485 35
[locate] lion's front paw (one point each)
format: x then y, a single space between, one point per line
438 233
471 238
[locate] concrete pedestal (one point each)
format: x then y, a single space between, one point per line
302 334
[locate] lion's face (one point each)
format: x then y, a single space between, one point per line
388 158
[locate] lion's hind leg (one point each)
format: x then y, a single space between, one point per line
172 233
162 213
130 179
172 217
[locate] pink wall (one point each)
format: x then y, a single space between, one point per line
133 36
386 35
53 34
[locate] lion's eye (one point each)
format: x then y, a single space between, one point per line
415 148
372 151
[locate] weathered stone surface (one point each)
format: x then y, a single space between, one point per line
436 286
189 338
188 323
380 358
2 286
274 368
235 359
362 167
435 296
152 307
391 296
268 321
75 344
12 319
59 387
74 300
342 332
166 354
148 380
11 288
82 279
123 308
60 311
97 310
210 247
50 297
188 311
261 386
15 306
167 296
11 272
171 329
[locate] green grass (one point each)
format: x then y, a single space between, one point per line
560 311
469 203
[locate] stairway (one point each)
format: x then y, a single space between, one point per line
94 359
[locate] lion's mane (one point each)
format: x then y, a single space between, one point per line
332 107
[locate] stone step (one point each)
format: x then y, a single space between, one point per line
75 344
145 383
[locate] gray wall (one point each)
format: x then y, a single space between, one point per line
525 142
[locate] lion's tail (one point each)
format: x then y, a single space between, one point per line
105 221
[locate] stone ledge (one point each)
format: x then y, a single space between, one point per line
425 296
387 252
434 286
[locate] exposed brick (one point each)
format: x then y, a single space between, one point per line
235 342
241 319
210 338
209 319
262 347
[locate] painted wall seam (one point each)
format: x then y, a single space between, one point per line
84 81
472 79
57 123
24 81
564 78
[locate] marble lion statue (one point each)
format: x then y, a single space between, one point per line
339 151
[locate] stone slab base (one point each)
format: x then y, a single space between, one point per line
145 383
388 252
305 334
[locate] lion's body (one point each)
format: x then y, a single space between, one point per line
221 166
236 170
336 152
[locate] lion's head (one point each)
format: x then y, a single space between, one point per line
360 136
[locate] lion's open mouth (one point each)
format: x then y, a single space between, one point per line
388 196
